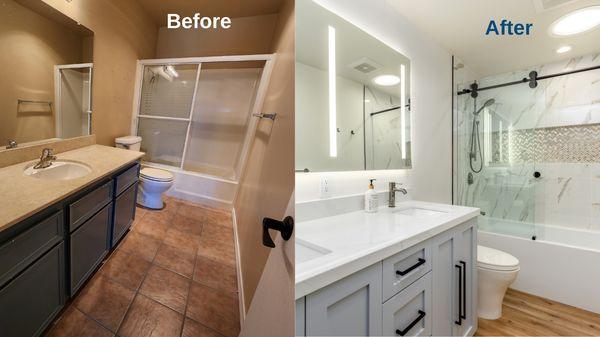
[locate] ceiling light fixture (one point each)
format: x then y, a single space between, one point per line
563 49
579 21
386 80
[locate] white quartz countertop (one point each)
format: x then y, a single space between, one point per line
331 248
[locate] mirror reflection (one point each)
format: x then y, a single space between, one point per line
352 97
46 66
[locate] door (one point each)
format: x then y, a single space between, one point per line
466 266
73 99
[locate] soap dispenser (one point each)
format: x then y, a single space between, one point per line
371 198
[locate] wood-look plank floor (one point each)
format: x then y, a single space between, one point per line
528 315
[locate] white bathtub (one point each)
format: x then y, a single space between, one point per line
562 264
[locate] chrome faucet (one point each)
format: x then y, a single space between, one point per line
46 159
392 193
11 144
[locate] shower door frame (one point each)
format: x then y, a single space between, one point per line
57 95
257 106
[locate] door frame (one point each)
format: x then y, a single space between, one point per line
57 95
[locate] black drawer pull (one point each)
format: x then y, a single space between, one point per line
411 325
413 267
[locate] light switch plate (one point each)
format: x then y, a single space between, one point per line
324 187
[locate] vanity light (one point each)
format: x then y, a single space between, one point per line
563 49
332 95
386 80
576 22
403 109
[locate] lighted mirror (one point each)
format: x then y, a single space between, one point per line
352 97
46 66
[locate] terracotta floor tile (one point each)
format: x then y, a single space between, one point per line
126 269
215 275
216 250
175 259
206 215
141 245
152 227
140 212
166 287
218 233
213 308
186 225
172 204
159 215
73 323
184 241
148 318
106 301
195 329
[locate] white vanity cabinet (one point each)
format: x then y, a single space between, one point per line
427 289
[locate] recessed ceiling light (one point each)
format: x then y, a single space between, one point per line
563 49
386 80
576 22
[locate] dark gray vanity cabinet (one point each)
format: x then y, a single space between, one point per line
124 212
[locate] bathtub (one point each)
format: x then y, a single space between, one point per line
562 264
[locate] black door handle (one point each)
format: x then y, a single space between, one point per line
413 267
460 295
411 325
286 227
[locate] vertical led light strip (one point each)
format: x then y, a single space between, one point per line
332 95
403 109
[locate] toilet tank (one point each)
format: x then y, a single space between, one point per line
129 142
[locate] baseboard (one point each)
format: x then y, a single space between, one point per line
238 265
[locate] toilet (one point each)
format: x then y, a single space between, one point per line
496 270
153 182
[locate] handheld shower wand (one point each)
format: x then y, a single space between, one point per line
475 147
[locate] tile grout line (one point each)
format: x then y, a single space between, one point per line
187 298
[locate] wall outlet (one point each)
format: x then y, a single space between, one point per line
324 187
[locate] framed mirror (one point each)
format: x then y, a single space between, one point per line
46 65
352 97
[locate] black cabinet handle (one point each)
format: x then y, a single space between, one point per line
463 314
411 325
413 267
460 293
286 227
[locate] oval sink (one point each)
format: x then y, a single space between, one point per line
59 170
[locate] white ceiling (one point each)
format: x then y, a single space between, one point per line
459 26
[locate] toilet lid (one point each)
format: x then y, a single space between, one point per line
491 258
156 174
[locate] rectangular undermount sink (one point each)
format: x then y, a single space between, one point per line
420 212
306 251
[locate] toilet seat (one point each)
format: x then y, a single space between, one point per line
157 175
493 259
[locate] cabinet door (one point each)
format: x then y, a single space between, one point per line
466 257
31 301
408 313
349 307
124 213
445 284
300 322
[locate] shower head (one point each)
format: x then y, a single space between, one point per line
485 105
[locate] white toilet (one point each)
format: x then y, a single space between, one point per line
496 270
153 182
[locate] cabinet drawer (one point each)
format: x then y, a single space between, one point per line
125 179
409 312
404 268
31 301
88 205
18 252
89 245
124 213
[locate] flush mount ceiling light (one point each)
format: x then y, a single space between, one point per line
386 80
563 49
576 22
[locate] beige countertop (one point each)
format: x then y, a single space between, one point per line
22 196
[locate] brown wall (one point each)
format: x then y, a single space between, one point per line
247 35
268 182
31 46
123 33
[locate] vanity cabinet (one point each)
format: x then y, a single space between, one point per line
124 213
428 289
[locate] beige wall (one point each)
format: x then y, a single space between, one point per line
268 182
123 33
247 35
31 46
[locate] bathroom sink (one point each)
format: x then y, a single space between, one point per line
59 170
420 212
306 251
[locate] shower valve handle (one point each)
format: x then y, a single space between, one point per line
537 174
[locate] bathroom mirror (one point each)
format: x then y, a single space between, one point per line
46 66
352 97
